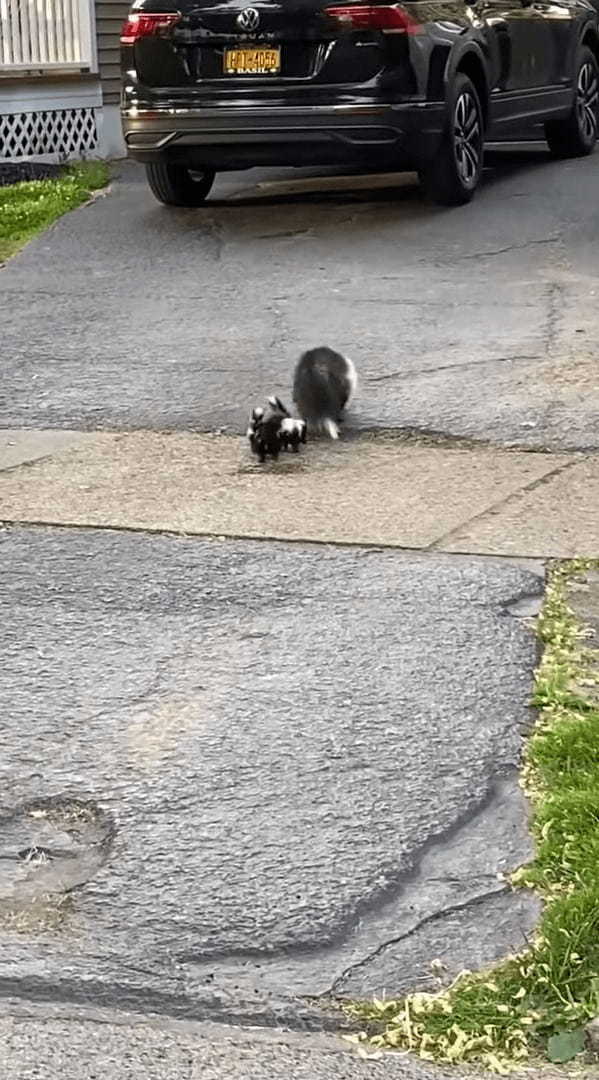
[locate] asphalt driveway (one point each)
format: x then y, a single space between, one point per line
270 773
477 322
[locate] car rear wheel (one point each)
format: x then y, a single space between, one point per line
454 174
577 134
175 184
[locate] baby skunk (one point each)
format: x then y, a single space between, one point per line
292 432
274 431
264 431
323 384
253 425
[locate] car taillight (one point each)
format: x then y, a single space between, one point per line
137 25
392 19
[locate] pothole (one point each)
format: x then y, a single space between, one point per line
526 607
49 847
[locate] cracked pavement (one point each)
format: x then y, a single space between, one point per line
263 727
311 761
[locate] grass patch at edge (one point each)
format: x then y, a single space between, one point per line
29 207
537 1002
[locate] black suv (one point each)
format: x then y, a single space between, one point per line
210 85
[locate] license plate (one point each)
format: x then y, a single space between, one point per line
252 61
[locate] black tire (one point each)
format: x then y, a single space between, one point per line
453 175
175 185
576 135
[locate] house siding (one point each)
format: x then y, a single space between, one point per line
109 19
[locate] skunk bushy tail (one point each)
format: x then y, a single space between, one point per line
323 385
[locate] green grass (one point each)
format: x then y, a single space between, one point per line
535 1004
29 207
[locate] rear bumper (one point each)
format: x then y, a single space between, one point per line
236 138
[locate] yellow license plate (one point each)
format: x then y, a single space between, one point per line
252 61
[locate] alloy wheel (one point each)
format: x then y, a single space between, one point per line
586 100
466 138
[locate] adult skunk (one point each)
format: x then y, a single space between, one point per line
323 384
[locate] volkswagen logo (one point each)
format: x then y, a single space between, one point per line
248 19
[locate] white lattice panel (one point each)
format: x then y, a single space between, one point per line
60 132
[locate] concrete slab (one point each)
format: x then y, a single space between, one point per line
314 184
18 447
559 517
257 773
379 491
